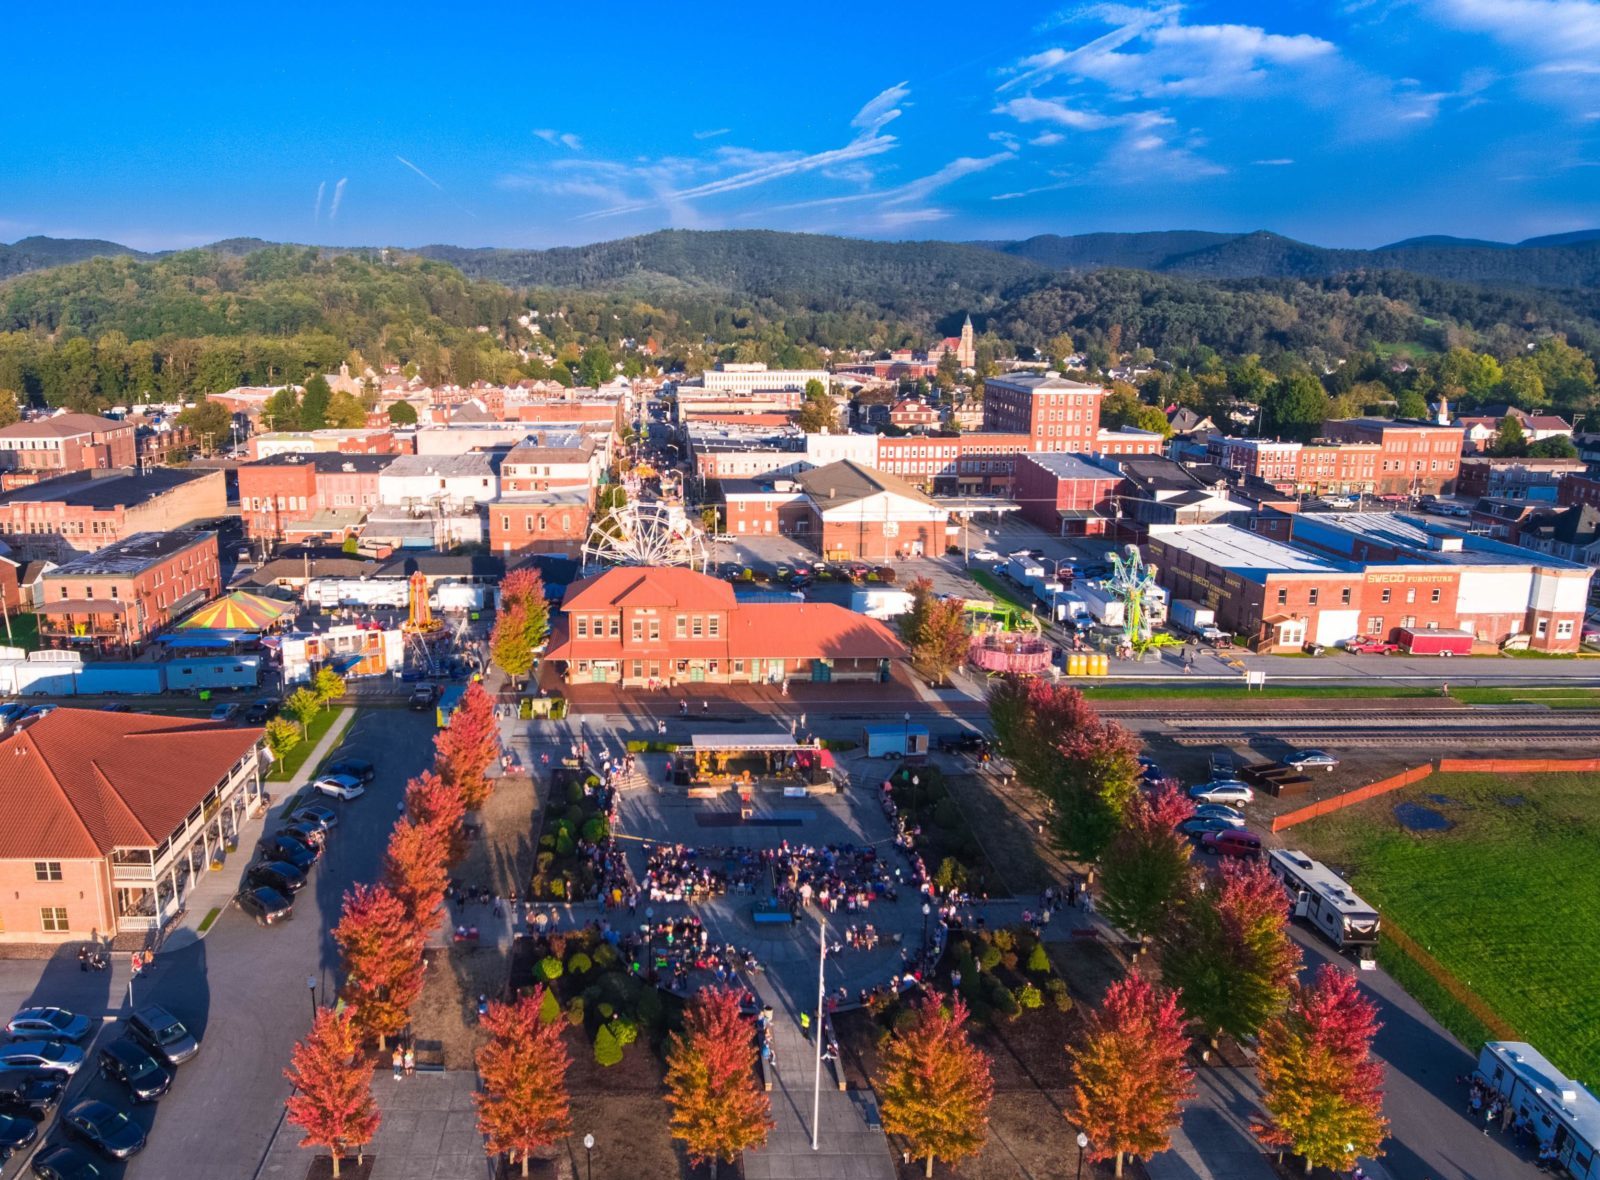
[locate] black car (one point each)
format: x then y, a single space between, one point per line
963 743
116 707
31 1092
307 832
287 848
262 710
15 1134
105 1127
163 1034
266 905
278 876
62 1162
421 699
357 768
131 1064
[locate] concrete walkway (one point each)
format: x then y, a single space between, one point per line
216 889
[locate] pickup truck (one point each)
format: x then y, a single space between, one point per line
1371 647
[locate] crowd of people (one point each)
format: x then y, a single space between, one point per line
1490 1110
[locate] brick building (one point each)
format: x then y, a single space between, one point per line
85 512
952 464
554 521
1341 576
1579 489
113 818
1506 478
1066 495
1414 457
550 460
43 447
311 442
1055 413
913 413
296 496
109 603
857 512
765 507
641 626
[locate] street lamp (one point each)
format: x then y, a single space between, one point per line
588 1155
906 743
650 935
311 989
1083 1141
926 910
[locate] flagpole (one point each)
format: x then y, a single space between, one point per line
816 1083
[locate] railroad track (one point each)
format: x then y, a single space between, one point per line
1464 721
1373 736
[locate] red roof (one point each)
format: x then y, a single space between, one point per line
648 586
811 630
78 782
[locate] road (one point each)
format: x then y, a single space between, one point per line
242 990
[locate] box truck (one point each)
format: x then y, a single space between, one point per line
1419 641
1103 604
1191 618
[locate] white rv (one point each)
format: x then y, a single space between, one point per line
1564 1113
1321 896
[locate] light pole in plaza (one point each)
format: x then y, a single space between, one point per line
926 910
588 1156
311 988
650 937
905 744
1083 1141
816 1080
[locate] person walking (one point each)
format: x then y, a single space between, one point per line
410 1061
399 1061
805 1025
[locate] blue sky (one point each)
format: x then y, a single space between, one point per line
1342 122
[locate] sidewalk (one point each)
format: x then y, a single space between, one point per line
216 888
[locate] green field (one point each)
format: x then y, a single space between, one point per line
291 762
1507 900
1180 689
1551 698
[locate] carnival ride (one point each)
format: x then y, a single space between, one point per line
647 533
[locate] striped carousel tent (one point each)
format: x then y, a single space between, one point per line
238 611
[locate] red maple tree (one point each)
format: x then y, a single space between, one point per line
429 801
936 1086
382 957
416 870
1146 869
1322 1090
332 1100
718 1110
1129 1077
522 1107
466 747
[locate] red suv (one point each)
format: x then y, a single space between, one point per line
1233 842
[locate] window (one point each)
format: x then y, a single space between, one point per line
638 630
1408 620
614 627
1283 596
655 630
638 669
713 625
1312 597
1386 595
1435 596
583 626
1375 625
699 627
1344 596
1542 628
1411 593
47 870
681 628
1564 629
53 918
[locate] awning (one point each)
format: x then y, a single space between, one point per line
343 663
747 741
84 606
205 642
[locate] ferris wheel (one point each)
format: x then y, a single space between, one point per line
1134 582
646 533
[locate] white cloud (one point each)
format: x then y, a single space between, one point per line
1054 110
1559 40
420 173
881 110
559 138
338 198
316 211
1047 139
713 133
1281 162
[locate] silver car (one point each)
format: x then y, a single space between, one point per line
339 786
1220 811
48 1024
57 1055
1311 759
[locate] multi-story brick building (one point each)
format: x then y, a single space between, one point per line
110 602
82 513
1055 413
1066 495
859 512
642 626
311 442
550 460
554 521
1414 457
43 447
291 495
114 818
1579 489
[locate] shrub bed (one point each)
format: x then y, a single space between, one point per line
946 844
572 816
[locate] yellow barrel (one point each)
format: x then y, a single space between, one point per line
1075 664
1102 664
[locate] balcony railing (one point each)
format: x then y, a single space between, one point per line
133 872
133 923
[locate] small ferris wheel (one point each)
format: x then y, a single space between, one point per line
646 533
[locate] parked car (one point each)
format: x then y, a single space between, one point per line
265 904
986 555
1224 765
1222 791
1220 811
1371 647
15 1134
422 699
104 1127
59 1056
224 711
286 848
886 574
262 710
34 1093
326 817
63 1162
277 875
116 707
39 710
1338 501
130 1063
338 786
1233 842
48 1024
357 768
163 1034
962 743
1197 826
1311 760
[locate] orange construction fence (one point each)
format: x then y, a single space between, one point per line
1444 766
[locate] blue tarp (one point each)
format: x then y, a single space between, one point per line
201 641
343 664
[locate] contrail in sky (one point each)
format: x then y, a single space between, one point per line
338 196
420 173
316 212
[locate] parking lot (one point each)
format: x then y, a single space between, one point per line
242 990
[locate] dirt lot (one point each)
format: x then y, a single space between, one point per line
1003 820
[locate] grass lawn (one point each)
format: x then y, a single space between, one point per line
24 632
1554 698
291 762
999 589
1507 900
1161 688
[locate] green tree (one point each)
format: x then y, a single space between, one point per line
314 404
211 422
935 630
303 704
282 736
281 411
817 411
1410 404
402 414
1146 870
1294 408
1523 384
344 412
10 412
1557 446
328 685
1510 440
596 366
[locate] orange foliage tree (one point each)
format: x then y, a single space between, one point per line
466 747
429 801
416 870
382 960
936 1086
718 1110
523 1104
332 1077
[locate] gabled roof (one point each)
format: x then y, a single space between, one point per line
79 782
847 481
812 630
649 586
62 426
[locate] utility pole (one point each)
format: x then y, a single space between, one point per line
816 1082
